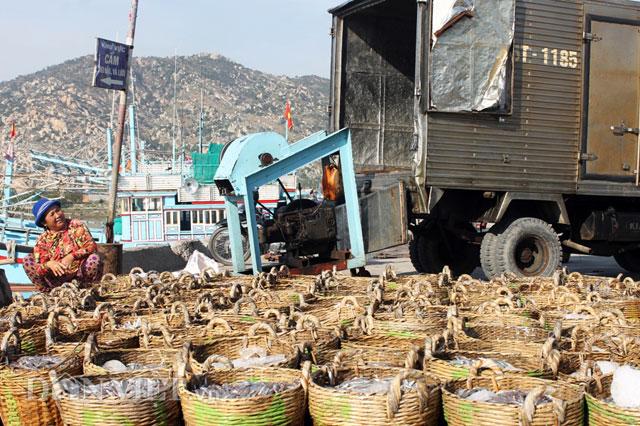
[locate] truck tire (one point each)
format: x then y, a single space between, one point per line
489 255
433 254
529 247
414 255
629 260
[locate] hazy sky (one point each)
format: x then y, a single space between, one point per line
277 36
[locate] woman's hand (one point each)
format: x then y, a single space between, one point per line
66 261
58 268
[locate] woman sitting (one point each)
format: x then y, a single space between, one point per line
65 250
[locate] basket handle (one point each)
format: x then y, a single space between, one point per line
108 321
109 278
147 329
211 359
33 301
136 270
574 334
208 275
180 306
348 300
248 301
394 394
89 348
186 278
594 297
272 313
106 306
583 308
364 323
143 301
550 356
614 316
308 322
16 319
504 291
166 277
262 326
480 365
217 322
413 356
55 385
529 406
12 334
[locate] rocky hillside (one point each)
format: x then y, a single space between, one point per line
57 111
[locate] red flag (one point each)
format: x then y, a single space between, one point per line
288 116
12 133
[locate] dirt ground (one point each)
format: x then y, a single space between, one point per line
590 265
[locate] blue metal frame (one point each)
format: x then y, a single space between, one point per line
241 167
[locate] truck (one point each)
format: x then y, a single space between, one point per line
513 126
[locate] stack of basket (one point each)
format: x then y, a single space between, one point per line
253 350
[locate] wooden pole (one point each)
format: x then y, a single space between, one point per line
122 112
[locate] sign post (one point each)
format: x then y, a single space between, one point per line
111 65
111 72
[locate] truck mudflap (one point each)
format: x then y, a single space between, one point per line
384 219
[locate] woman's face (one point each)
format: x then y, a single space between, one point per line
54 219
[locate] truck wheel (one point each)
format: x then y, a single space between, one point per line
489 255
434 254
220 246
529 247
414 255
629 260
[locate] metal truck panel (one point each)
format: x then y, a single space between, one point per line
537 146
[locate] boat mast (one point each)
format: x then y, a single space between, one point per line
175 113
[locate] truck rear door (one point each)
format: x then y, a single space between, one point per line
612 87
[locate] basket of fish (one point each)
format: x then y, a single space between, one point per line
503 400
244 396
136 398
373 396
25 389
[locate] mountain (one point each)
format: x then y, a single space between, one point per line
56 110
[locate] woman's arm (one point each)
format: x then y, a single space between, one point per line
84 242
41 256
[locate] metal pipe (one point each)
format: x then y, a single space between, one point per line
577 247
132 139
122 112
109 147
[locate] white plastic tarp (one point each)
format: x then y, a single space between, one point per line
471 45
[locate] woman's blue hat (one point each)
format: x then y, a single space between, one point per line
41 207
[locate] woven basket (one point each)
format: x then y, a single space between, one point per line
285 408
567 408
163 409
62 338
318 340
601 413
94 358
374 357
419 406
440 365
25 395
201 355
